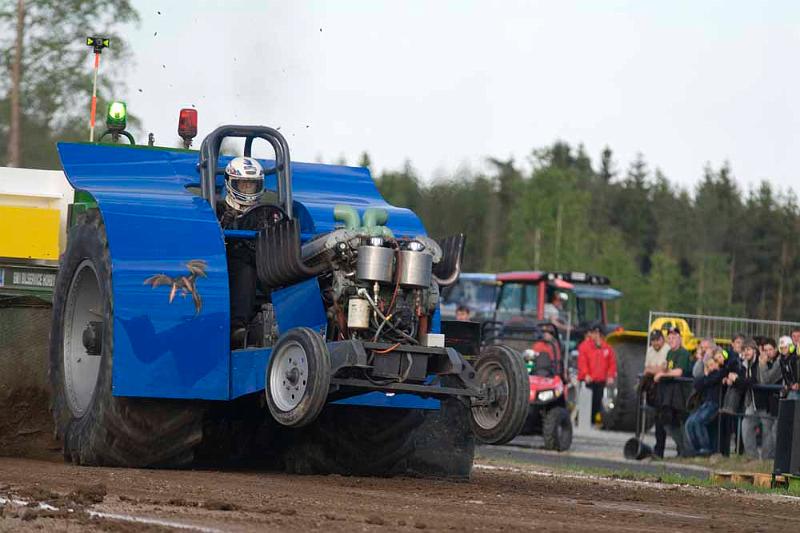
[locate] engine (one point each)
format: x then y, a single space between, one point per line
380 288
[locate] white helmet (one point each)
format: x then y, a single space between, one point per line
244 182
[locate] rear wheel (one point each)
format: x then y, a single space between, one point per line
620 414
376 441
557 429
98 428
503 372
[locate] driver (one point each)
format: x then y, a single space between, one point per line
244 187
554 310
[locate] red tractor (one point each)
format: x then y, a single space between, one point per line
544 315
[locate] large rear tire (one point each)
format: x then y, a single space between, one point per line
502 370
630 363
376 441
96 427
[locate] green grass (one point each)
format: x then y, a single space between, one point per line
663 477
733 463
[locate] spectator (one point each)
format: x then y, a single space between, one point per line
554 311
704 350
769 373
671 396
462 313
708 387
656 358
796 340
755 401
789 364
737 344
655 361
597 367
730 361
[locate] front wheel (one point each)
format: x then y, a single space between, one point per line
502 371
298 377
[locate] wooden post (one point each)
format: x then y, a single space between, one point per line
14 149
781 276
558 236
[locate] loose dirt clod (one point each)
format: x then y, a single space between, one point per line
37 494
180 502
88 495
216 505
375 520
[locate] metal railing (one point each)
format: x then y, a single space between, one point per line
725 327
740 415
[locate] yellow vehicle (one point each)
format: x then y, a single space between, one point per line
33 220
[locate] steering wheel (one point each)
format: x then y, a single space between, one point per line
260 216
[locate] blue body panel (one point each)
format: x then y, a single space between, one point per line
300 305
155 225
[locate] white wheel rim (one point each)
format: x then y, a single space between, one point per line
288 376
489 416
83 305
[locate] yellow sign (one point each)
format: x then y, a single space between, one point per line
29 233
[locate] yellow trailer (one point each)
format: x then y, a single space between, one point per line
33 224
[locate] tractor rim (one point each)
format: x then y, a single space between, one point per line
289 375
495 378
84 305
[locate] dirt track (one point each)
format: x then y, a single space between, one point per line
493 500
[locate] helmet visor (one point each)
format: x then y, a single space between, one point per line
247 186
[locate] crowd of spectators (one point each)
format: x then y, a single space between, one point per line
700 399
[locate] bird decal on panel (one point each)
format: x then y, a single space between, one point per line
185 284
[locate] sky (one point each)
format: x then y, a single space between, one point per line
446 84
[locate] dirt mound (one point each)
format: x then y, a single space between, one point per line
26 425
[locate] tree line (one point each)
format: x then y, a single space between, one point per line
711 249
46 81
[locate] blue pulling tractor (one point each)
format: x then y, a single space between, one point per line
345 368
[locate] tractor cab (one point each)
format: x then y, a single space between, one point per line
476 291
578 298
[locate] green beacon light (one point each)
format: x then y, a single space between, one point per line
117 116
116 121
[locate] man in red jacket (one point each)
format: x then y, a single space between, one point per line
597 367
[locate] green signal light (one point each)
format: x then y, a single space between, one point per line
117 116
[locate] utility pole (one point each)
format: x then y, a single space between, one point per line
558 236
781 276
14 152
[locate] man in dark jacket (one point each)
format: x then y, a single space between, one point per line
755 401
733 363
708 386
769 373
671 395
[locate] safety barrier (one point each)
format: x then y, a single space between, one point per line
725 327
686 383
